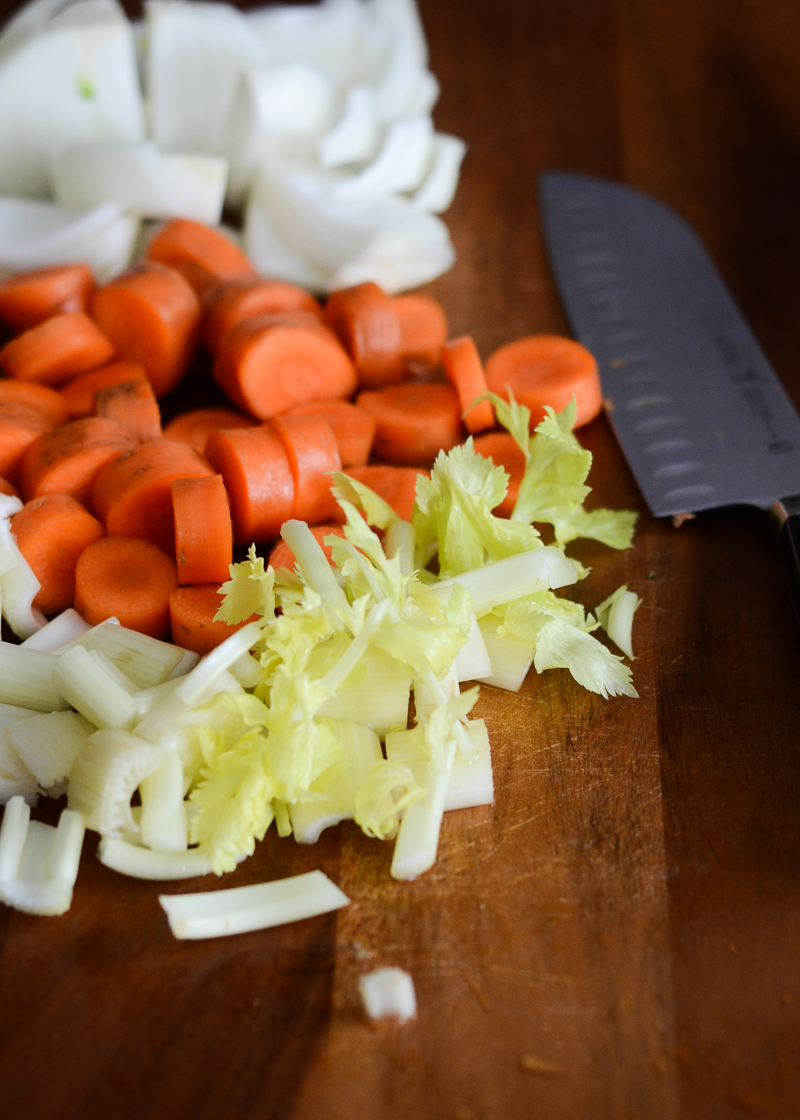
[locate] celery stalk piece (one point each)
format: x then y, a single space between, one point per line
18 587
38 863
89 687
144 660
471 782
514 577
316 569
83 636
334 799
11 714
15 778
246 670
401 538
164 718
379 698
48 744
615 615
65 627
214 664
418 837
147 698
511 657
163 822
261 906
472 661
108 666
143 863
425 700
185 665
110 767
388 993
26 678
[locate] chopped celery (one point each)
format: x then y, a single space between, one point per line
334 792
377 696
142 863
15 778
65 627
511 657
26 678
49 743
38 863
144 660
472 662
615 615
514 577
163 821
105 775
470 783
88 686
214 664
388 993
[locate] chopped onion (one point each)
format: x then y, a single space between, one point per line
355 135
388 993
399 166
436 192
36 234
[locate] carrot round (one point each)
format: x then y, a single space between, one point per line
267 367
31 297
313 454
192 611
152 316
367 324
546 369
133 495
502 449
353 428
413 422
20 427
463 369
79 393
204 282
52 532
258 478
247 297
133 406
50 402
423 331
68 459
282 556
203 529
396 485
54 351
182 241
126 578
196 426
7 487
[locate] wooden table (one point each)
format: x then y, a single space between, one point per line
618 935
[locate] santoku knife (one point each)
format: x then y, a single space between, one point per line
702 418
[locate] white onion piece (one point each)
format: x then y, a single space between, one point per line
141 180
401 256
436 192
35 234
406 88
64 78
402 18
273 257
355 136
400 165
197 54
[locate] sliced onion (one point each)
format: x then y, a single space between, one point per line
355 135
273 257
436 192
400 165
406 88
401 256
35 234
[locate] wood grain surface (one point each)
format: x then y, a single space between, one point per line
618 935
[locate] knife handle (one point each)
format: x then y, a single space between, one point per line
787 510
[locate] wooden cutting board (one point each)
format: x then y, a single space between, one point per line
616 936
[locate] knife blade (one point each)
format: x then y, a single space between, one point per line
700 414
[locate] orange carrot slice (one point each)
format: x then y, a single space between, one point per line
282 556
423 331
203 529
7 487
464 371
182 241
152 316
50 402
258 478
196 426
413 421
54 351
68 459
267 367
396 485
546 369
205 283
366 322
20 427
192 611
353 428
52 532
32 297
313 454
79 393
126 578
247 297
133 495
502 449
133 406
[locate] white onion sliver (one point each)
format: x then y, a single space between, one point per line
400 165
436 192
354 138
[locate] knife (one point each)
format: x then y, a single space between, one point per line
701 416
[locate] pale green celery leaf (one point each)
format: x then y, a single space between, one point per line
249 591
299 748
283 821
376 510
524 618
420 643
561 646
431 736
293 635
361 548
554 480
458 608
559 425
514 417
604 609
612 527
377 812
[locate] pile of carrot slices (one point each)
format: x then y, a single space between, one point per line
124 518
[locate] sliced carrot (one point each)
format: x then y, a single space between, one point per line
52 532
205 283
133 406
20 427
367 324
152 316
79 393
247 297
313 454
50 402
396 485
54 351
125 578
353 428
192 611
196 426
546 369
413 421
182 240
133 496
282 556
258 478
68 459
267 367
32 297
7 487
423 331
203 529
464 371
502 449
